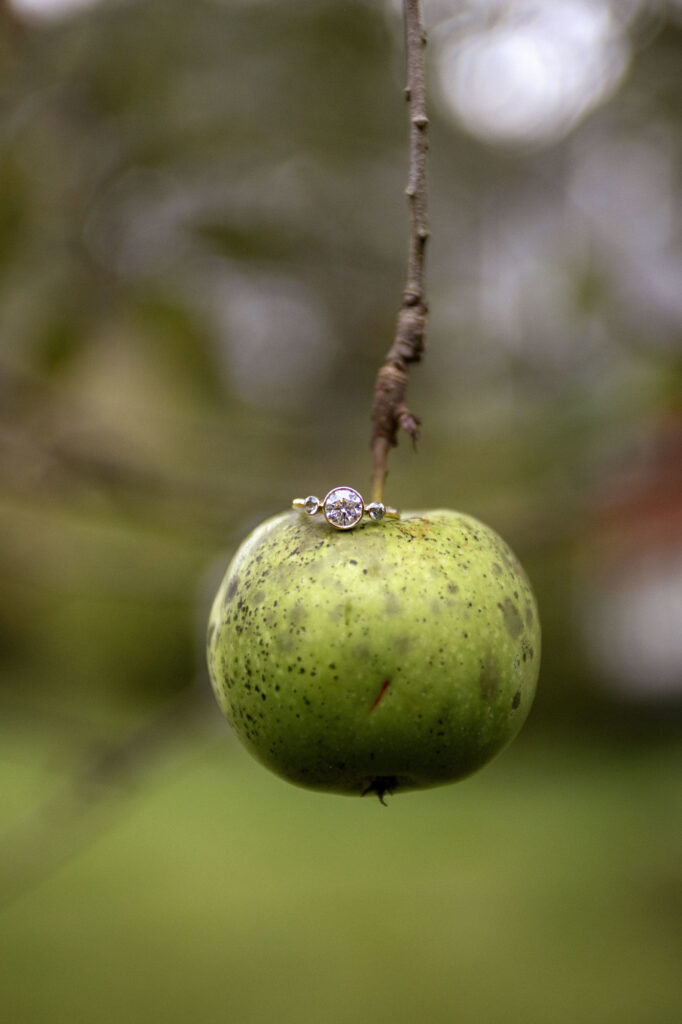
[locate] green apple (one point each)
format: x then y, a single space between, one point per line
394 656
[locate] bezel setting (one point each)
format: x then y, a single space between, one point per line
343 508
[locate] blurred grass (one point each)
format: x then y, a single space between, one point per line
547 888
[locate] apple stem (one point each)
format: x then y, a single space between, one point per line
381 786
389 411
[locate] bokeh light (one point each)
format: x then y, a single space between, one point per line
52 10
526 72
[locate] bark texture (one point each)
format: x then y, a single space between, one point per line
390 412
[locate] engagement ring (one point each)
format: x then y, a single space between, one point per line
343 508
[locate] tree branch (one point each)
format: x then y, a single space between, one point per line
53 832
389 410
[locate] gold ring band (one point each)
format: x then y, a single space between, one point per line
344 508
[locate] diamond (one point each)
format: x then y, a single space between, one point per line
376 510
311 505
343 508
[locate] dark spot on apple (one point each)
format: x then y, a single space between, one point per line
297 615
527 649
453 588
231 591
308 539
402 643
516 699
489 678
512 617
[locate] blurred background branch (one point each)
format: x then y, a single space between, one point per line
107 775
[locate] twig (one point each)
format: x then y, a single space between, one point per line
389 410
52 833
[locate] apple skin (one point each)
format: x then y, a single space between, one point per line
393 656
